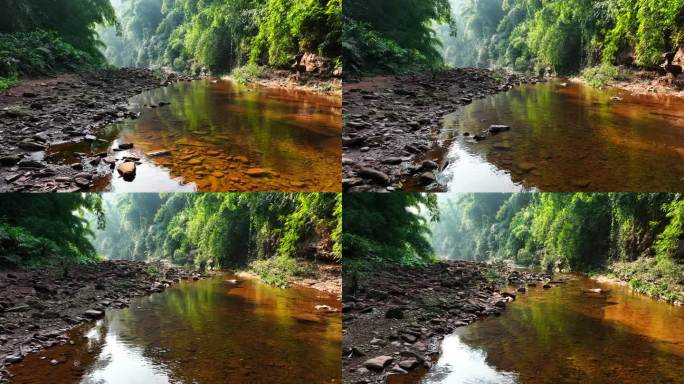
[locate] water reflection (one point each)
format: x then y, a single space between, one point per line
206 332
568 333
221 137
571 138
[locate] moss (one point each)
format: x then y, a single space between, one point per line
7 83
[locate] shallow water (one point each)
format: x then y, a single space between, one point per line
209 331
567 139
564 335
216 132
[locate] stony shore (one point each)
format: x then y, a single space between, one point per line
395 319
392 124
38 307
71 108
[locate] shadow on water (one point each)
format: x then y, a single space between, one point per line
568 139
210 331
565 335
221 136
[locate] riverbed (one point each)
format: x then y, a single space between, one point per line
218 136
210 331
569 334
565 136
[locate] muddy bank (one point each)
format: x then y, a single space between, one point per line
392 124
70 108
324 84
325 277
393 323
38 307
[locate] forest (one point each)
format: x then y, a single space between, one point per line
272 234
525 35
213 36
631 234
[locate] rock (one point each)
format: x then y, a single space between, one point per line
9 161
508 294
127 170
429 165
54 362
546 286
427 178
19 308
258 172
378 363
125 146
159 153
82 182
394 313
393 160
375 175
93 314
522 290
31 146
13 359
409 364
526 166
29 94
496 129
409 338
90 138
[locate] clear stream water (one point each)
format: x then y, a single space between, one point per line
216 132
570 138
210 331
566 335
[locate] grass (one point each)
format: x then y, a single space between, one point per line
603 75
249 73
7 83
651 278
278 270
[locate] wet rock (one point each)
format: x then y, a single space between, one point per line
375 175
522 290
54 362
93 314
409 364
9 161
258 172
90 138
427 178
546 286
378 363
127 170
29 94
13 359
125 146
82 182
160 153
31 146
496 129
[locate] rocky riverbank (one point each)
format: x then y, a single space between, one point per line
74 108
396 317
38 307
392 124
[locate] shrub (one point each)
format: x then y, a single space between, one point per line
603 75
41 53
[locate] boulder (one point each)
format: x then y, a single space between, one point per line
127 170
375 175
93 314
378 363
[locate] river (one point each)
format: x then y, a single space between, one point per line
566 137
222 137
568 335
210 331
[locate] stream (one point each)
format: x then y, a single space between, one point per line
566 137
210 331
568 335
218 136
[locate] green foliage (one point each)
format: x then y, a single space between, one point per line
277 270
7 83
387 228
41 53
74 21
396 36
566 35
603 75
219 35
648 276
576 231
248 73
221 229
47 229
